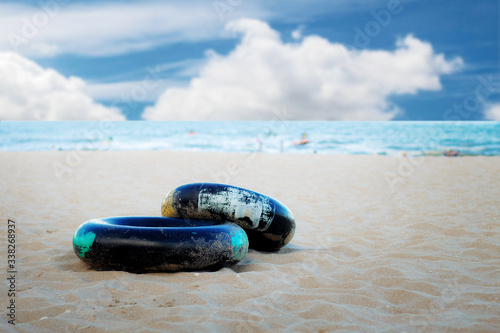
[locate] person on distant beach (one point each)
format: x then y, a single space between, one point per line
302 141
452 153
259 143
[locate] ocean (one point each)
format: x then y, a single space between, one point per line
324 137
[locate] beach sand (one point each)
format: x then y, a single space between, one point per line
381 244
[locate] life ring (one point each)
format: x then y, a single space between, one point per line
158 244
269 224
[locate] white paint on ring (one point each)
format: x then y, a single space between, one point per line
239 204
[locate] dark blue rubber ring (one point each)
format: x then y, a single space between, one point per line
139 243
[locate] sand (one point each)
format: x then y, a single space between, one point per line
381 244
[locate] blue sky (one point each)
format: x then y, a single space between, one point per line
242 59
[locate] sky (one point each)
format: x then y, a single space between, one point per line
250 60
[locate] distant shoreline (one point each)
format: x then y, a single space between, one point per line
337 138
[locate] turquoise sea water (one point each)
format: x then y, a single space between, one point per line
388 138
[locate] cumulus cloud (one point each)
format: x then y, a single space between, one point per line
29 92
155 80
492 112
134 91
313 78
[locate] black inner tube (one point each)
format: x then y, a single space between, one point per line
158 243
269 224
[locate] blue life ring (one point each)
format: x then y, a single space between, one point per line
158 243
269 224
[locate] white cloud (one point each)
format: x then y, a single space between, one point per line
53 27
29 92
313 79
154 80
102 29
297 33
135 91
492 112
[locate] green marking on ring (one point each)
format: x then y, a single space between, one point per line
239 241
83 243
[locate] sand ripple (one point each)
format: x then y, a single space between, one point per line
425 257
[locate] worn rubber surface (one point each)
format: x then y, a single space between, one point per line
269 224
159 243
